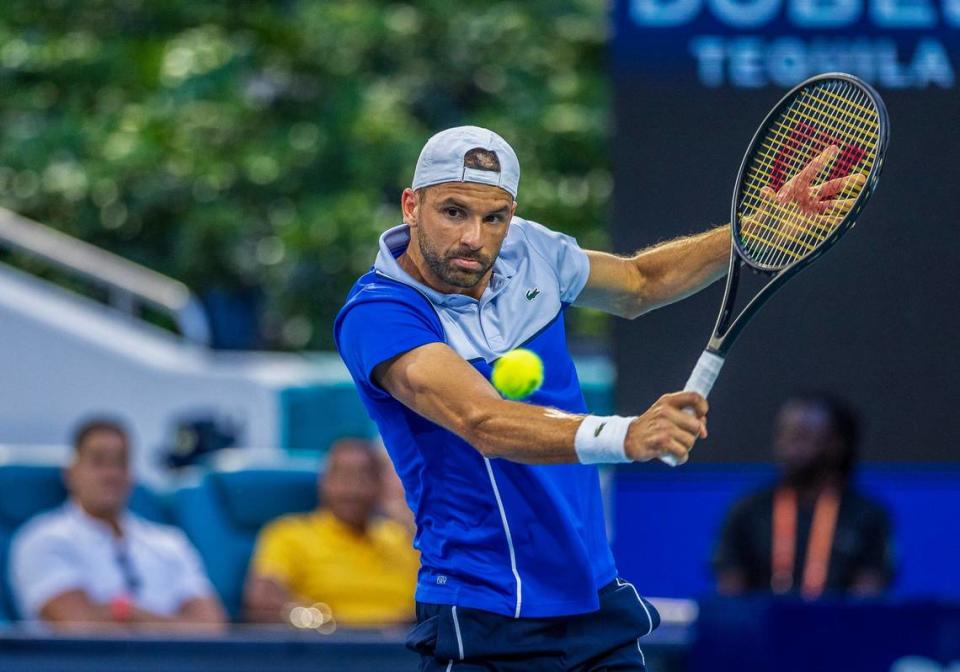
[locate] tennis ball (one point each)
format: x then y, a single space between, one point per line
518 374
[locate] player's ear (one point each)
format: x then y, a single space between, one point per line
409 205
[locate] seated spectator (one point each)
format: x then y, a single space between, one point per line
342 555
812 532
92 563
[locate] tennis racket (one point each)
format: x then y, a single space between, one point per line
809 170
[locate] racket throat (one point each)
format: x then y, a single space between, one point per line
729 323
725 317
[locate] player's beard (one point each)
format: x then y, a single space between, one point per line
442 264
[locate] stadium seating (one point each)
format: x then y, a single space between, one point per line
26 490
221 509
302 429
224 510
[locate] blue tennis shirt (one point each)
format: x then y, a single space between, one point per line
514 539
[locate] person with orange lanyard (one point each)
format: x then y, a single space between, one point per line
811 533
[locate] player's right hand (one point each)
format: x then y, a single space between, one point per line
667 429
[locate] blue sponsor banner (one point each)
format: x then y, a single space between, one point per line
894 44
781 635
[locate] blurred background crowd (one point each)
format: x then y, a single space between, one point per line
189 188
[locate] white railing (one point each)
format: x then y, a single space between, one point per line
128 284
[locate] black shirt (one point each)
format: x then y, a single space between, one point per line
862 541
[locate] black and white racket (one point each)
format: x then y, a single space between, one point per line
809 170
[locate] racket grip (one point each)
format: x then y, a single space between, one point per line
704 375
701 381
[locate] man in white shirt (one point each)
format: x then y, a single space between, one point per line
93 563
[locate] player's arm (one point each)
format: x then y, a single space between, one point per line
441 386
629 286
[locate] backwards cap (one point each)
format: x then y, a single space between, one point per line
443 159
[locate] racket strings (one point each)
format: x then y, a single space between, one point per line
789 241
795 237
799 231
809 232
776 232
780 136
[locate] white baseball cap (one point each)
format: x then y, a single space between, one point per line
442 159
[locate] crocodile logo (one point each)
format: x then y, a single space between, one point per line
533 293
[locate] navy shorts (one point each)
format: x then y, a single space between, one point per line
457 639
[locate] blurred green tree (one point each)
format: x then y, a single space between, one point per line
262 145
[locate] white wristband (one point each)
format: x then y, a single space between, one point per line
600 439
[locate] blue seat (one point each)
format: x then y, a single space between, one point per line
224 511
25 490
29 489
303 430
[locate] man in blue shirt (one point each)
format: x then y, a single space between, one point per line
516 570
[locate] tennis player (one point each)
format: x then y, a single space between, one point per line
516 571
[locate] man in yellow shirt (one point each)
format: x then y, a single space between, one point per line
342 555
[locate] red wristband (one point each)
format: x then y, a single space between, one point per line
121 609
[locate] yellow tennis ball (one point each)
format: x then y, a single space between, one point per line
518 374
